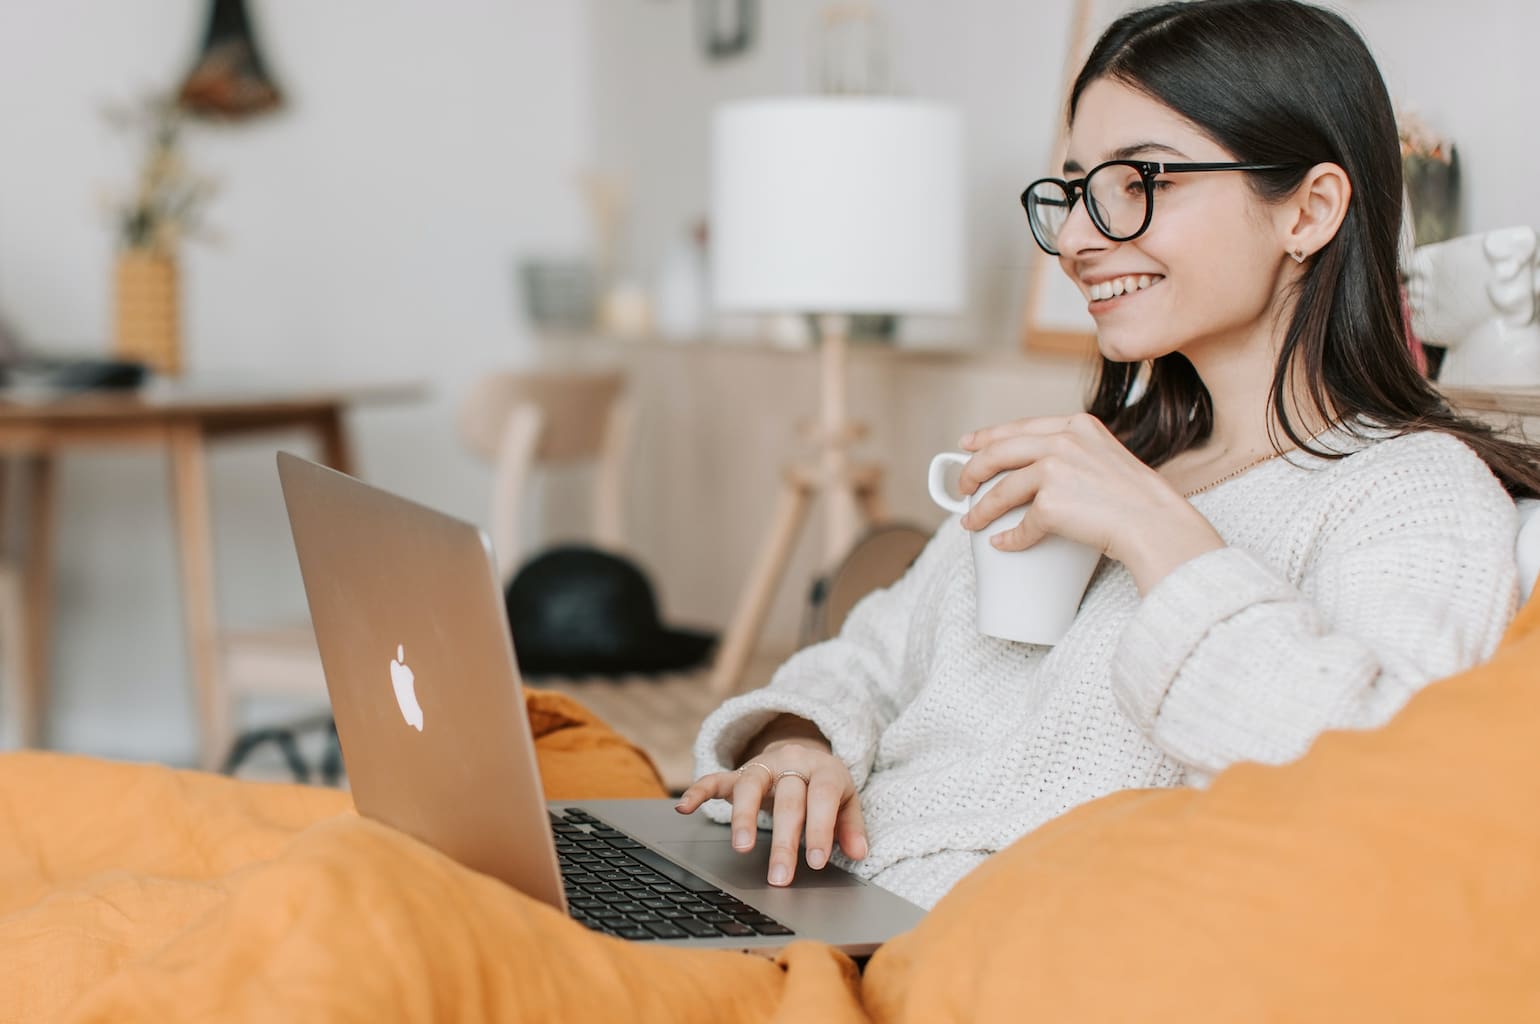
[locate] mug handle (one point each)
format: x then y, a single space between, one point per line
937 482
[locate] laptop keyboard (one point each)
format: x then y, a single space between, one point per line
617 886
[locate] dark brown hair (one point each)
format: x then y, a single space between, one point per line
1282 82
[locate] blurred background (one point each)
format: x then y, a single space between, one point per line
430 193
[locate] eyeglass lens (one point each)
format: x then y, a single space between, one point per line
1115 198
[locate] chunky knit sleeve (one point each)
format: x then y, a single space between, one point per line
852 686
1408 576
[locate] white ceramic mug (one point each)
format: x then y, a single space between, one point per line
1028 596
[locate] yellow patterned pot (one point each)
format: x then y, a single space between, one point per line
148 327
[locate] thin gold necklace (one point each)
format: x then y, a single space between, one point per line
1235 473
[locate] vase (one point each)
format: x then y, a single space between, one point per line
148 325
1433 191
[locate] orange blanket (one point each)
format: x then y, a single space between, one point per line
131 892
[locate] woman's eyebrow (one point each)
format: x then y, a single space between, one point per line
1128 153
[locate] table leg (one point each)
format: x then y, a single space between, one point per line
190 494
38 587
336 448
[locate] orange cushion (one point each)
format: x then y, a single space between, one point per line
1388 875
135 892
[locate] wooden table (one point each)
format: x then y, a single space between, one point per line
181 418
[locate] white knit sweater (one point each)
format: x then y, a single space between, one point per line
1346 586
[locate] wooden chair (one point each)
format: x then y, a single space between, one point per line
523 421
520 420
515 421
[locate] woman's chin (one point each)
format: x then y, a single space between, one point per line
1119 347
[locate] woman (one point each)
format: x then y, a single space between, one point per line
1298 532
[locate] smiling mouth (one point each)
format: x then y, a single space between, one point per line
1102 291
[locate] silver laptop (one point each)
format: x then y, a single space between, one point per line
425 690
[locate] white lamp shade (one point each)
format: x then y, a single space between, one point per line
837 205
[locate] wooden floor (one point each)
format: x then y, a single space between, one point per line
661 714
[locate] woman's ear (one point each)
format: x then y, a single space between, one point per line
1310 218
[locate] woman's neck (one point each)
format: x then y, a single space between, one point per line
1239 381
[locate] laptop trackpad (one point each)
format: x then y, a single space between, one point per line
748 870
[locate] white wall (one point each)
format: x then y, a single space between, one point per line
1468 68
370 229
999 61
373 228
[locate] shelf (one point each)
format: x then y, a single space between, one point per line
1512 401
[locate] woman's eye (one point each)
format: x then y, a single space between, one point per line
1161 184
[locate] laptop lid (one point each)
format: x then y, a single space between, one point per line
419 666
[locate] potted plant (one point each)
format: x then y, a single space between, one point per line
164 206
1430 169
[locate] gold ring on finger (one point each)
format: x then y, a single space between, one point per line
769 772
806 781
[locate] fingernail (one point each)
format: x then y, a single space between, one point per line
963 441
679 806
778 875
815 858
997 540
741 839
859 850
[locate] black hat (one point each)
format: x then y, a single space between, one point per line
581 611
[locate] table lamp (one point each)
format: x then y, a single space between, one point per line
830 206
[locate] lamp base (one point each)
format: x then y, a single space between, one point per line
852 492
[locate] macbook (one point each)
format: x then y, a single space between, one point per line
425 690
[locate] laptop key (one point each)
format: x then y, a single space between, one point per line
664 930
734 928
671 871
699 929
634 932
773 928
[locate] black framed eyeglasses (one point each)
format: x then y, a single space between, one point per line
1119 195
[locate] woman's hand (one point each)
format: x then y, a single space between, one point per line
1080 482
826 804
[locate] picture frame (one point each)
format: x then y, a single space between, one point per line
1054 320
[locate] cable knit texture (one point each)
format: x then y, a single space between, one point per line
1345 586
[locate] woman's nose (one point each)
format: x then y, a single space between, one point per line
1079 235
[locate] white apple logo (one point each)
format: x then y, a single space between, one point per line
403 682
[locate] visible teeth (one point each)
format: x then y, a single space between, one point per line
1104 290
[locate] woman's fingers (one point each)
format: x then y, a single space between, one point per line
1013 491
1014 453
824 795
716 786
1035 425
754 780
786 827
850 829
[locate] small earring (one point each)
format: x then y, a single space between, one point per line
1299 255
